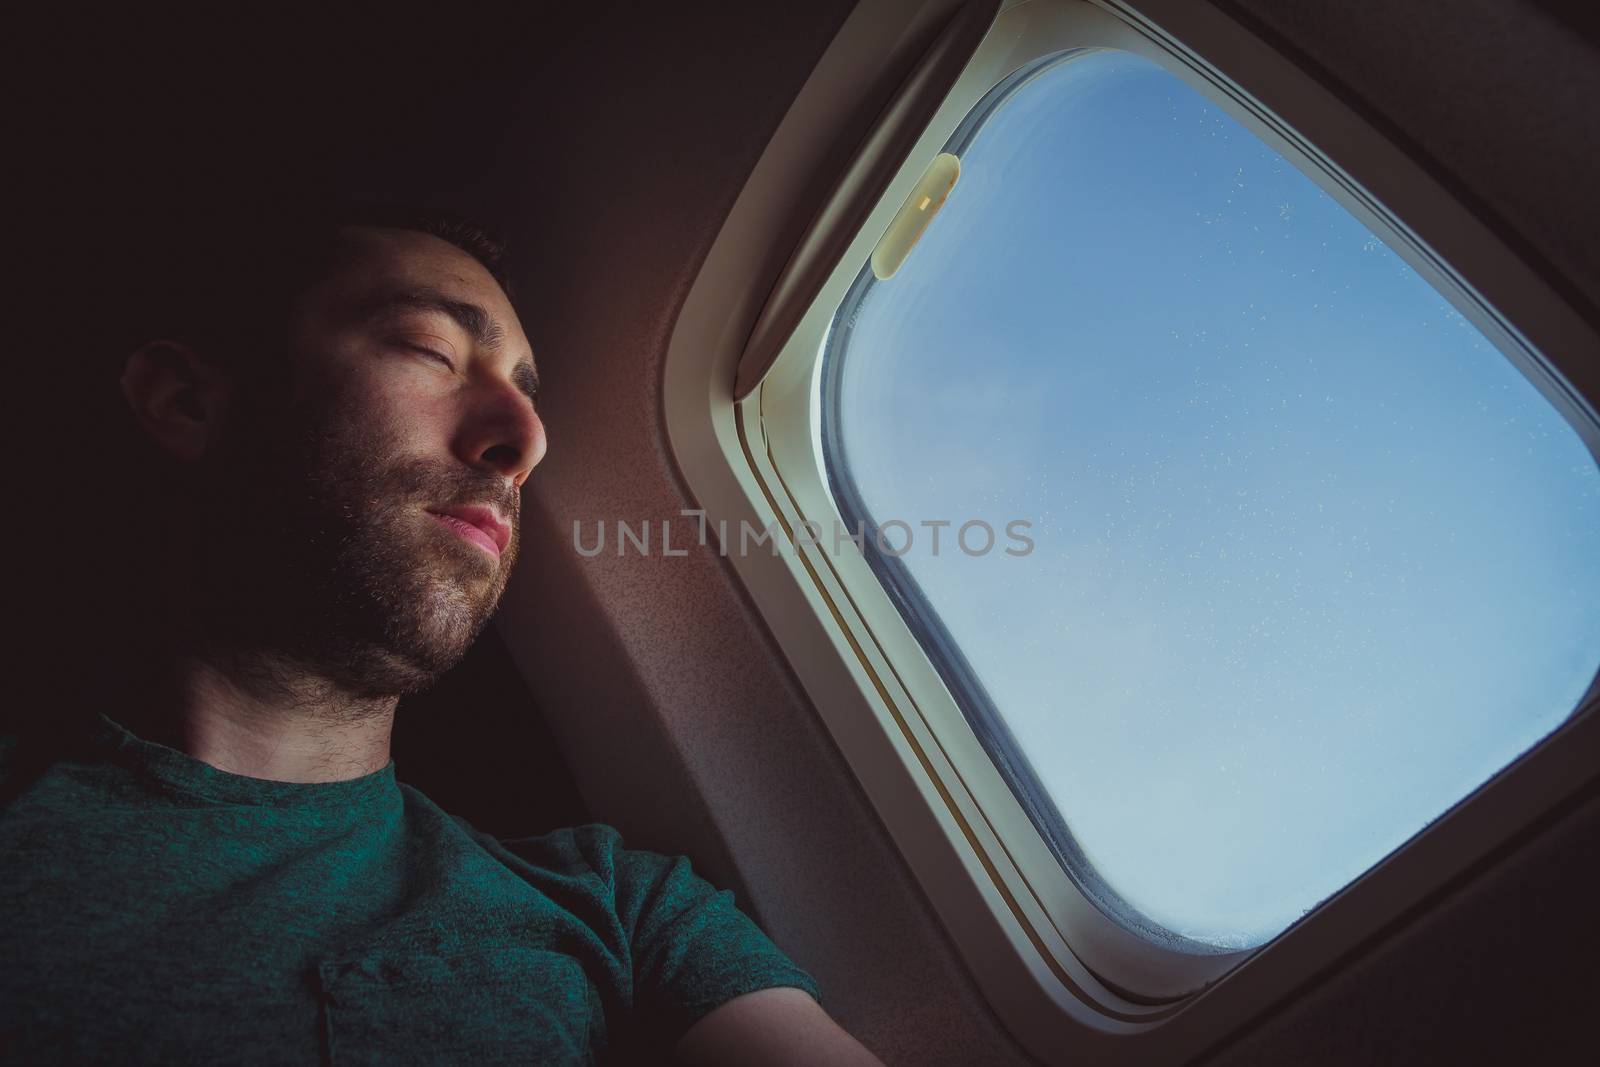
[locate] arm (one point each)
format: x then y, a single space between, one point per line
780 1027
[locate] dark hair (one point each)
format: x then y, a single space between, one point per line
471 237
223 280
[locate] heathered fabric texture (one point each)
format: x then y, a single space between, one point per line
156 909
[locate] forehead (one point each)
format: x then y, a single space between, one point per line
370 264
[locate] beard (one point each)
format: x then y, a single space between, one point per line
317 548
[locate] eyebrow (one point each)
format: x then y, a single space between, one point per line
526 379
470 317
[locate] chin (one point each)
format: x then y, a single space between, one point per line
419 600
410 655
438 623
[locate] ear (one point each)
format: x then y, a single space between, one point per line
178 396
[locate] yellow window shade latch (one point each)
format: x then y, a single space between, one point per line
927 197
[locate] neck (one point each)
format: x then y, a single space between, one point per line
265 717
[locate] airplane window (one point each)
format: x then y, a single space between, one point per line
1309 560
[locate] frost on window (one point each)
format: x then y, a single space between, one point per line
1312 559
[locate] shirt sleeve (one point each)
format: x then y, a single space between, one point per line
691 947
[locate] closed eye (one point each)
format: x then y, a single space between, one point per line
423 350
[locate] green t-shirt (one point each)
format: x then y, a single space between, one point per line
156 909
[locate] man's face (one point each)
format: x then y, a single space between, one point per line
368 520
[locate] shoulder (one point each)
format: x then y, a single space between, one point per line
595 846
592 850
592 853
645 891
29 750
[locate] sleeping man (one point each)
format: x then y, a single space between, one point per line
339 417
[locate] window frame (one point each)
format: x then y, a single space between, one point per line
1058 972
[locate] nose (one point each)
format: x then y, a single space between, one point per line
501 431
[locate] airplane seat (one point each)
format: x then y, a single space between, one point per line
478 747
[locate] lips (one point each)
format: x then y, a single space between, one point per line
478 524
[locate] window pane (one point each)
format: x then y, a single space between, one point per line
1312 561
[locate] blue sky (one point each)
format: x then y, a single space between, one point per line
1313 558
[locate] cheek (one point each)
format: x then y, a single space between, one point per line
391 415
